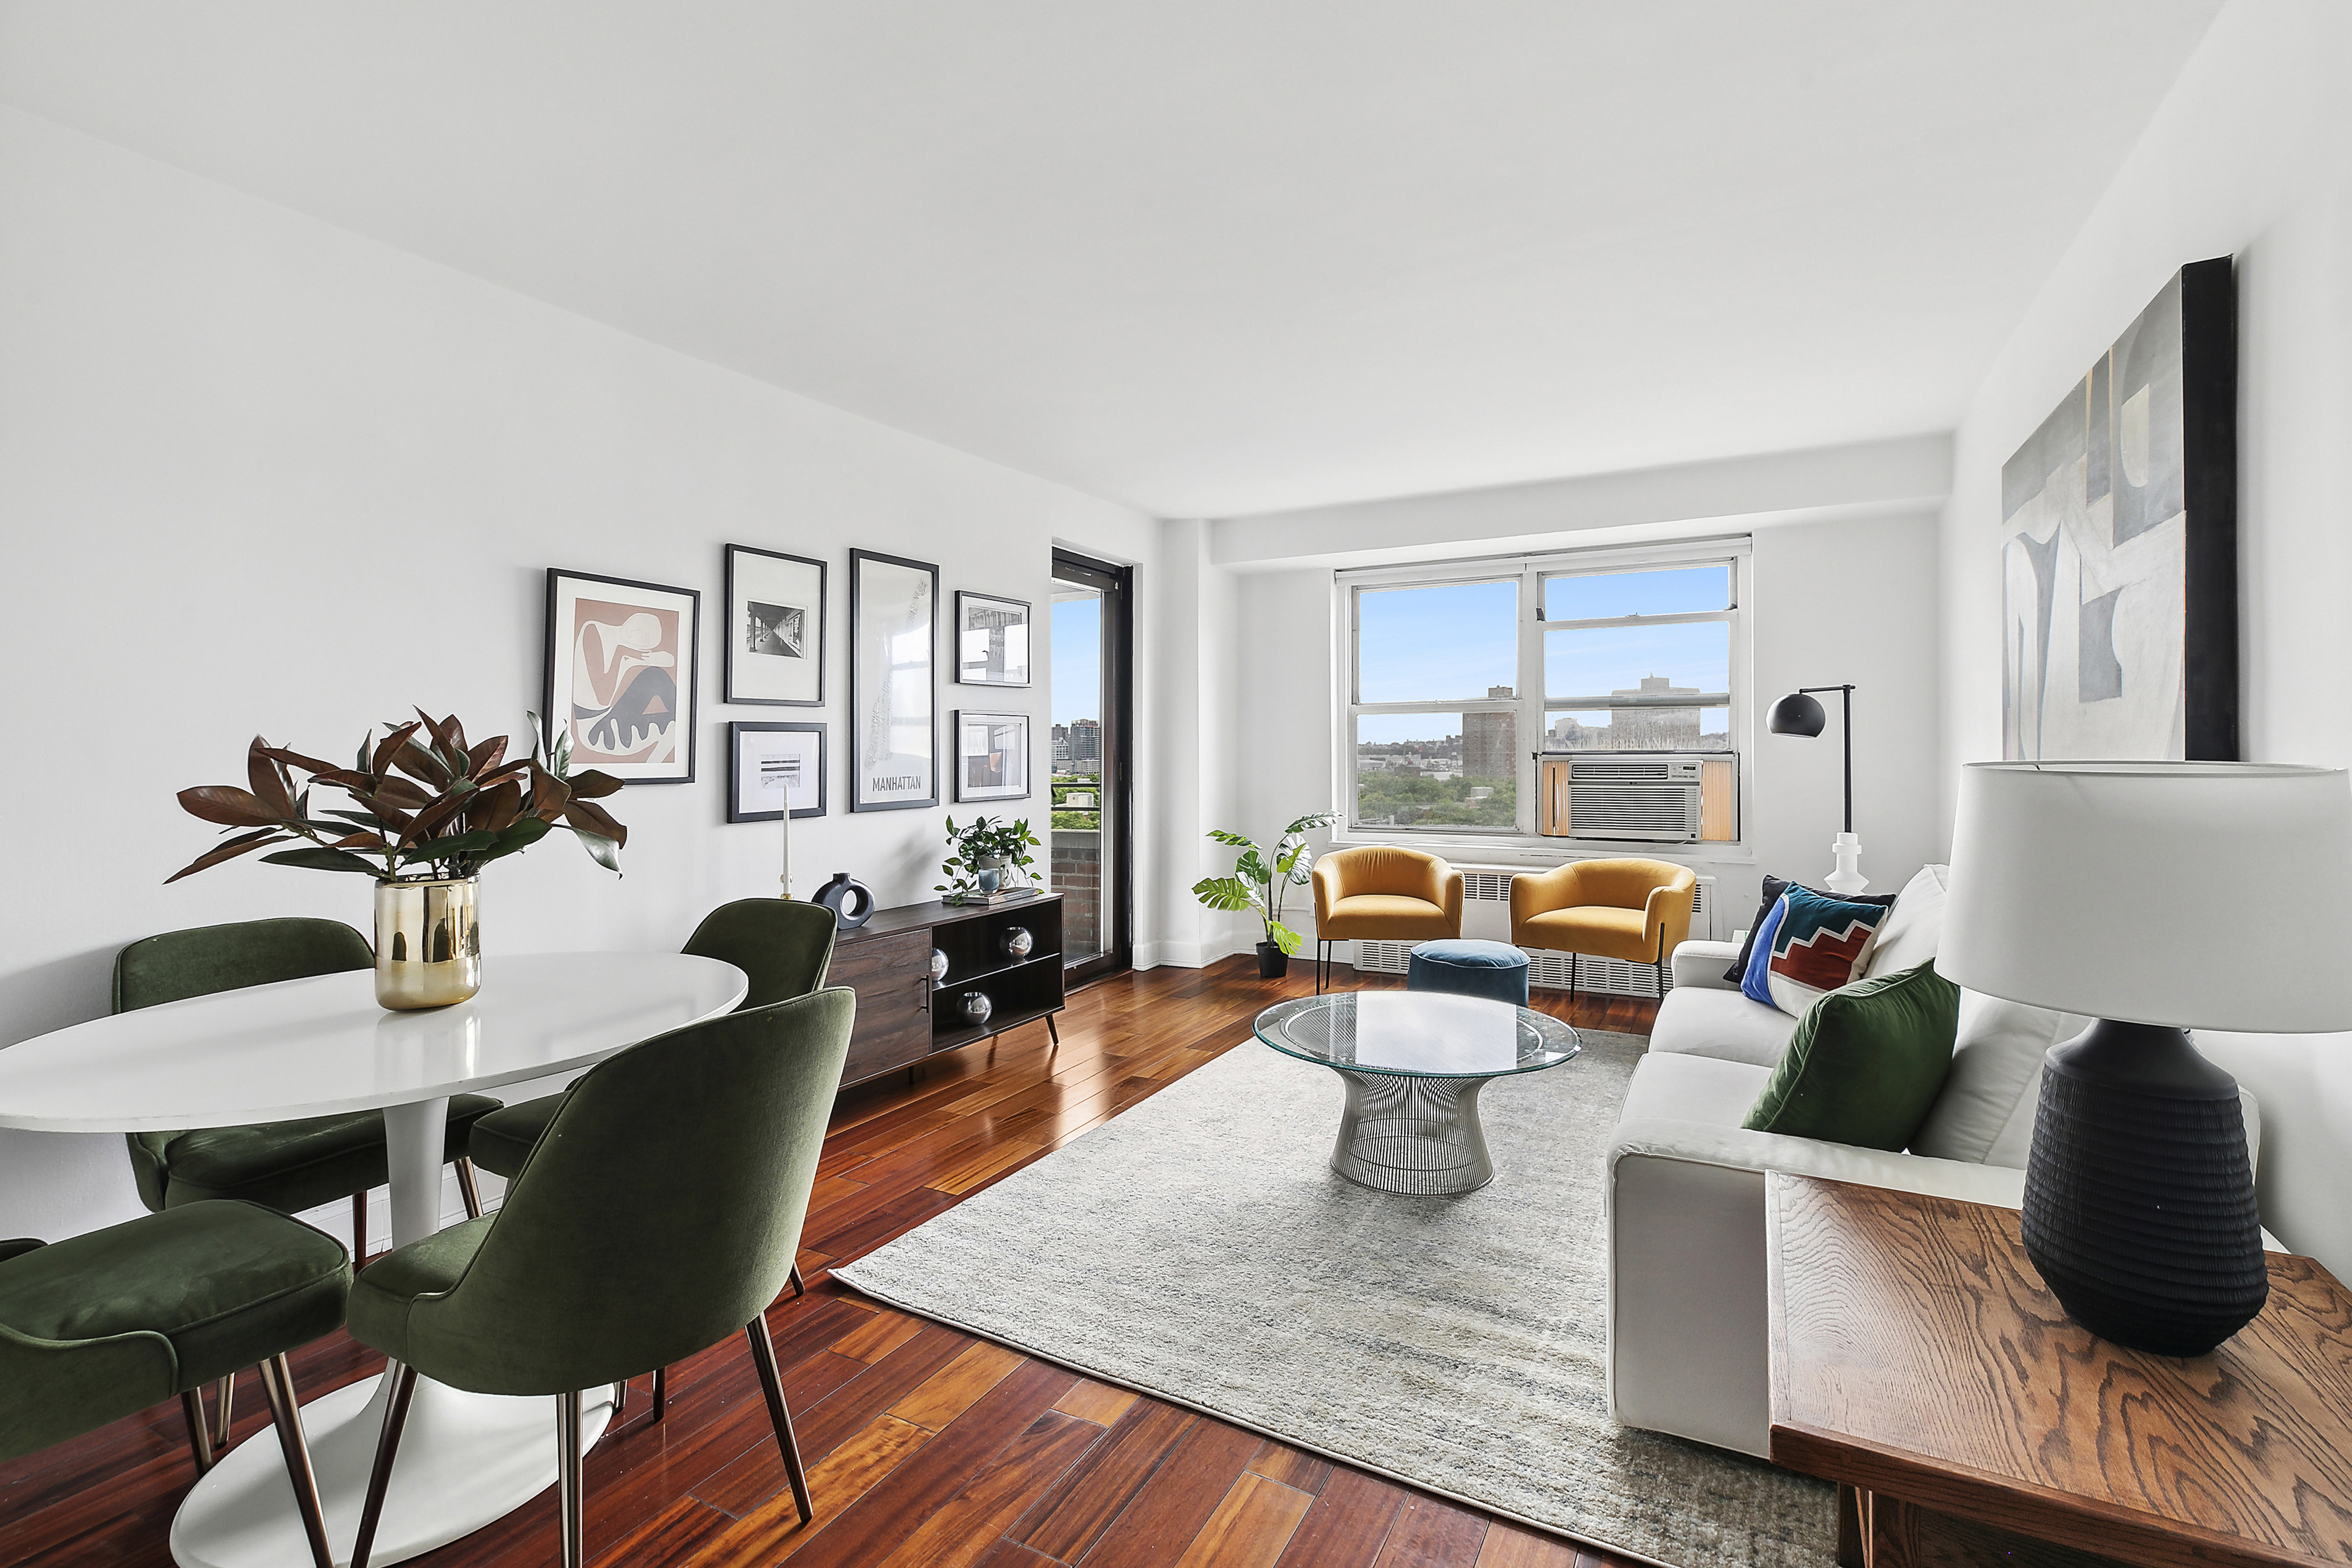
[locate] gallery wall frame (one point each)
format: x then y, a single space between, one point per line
774 766
776 630
992 639
2119 545
621 671
992 756
893 667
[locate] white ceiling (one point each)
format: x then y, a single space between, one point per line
1206 256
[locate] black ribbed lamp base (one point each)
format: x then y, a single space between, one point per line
2139 1197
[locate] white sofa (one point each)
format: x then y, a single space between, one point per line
1688 1349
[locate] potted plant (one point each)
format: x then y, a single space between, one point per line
985 849
430 813
1260 882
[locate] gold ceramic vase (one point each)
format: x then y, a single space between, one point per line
428 949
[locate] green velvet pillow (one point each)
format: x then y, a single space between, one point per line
1865 1063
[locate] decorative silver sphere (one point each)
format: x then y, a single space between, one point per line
938 965
977 1007
1017 941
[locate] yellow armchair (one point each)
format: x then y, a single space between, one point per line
1378 893
1638 911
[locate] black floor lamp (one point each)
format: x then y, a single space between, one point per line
1801 713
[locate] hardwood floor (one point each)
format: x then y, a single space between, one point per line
924 1446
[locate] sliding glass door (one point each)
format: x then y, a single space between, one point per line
1091 837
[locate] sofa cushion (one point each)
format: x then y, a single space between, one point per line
1986 1112
1720 1024
1865 1062
1673 1088
1756 982
1908 936
1773 887
1824 944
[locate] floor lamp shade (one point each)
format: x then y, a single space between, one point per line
2157 898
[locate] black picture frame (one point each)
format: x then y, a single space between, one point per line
734 633
682 642
736 759
966 793
865 663
969 597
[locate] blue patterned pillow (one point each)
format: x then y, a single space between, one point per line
1822 943
1756 984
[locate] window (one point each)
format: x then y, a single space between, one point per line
1459 675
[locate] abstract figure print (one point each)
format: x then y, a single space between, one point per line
624 697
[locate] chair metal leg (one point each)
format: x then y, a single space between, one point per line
468 1189
286 1411
661 1392
200 1440
387 1443
799 1286
763 1357
359 1230
570 1483
227 1405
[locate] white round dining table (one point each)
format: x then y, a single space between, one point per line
314 1046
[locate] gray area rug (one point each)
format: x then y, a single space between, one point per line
1199 1248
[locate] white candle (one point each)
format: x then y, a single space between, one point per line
786 879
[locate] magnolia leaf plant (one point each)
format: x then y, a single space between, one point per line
1260 878
984 842
423 803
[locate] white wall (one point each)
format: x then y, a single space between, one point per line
2247 156
259 474
1834 599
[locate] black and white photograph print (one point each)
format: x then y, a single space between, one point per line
775 628
777 767
893 658
992 756
992 641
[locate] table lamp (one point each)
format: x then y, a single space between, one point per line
1801 713
2156 898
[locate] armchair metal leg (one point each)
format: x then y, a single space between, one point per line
570 1483
468 1189
763 1357
200 1440
277 1385
228 1404
387 1443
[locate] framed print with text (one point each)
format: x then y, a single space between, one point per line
992 641
775 768
992 756
775 627
621 675
893 653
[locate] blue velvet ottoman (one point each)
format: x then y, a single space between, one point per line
1495 969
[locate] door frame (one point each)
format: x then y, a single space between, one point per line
1117 585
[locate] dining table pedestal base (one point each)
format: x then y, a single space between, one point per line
466 1459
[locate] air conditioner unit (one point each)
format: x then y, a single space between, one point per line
1663 798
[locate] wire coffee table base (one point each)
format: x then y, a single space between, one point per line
1418 1136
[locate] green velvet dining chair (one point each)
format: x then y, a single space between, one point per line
657 1215
106 1324
289 1166
780 945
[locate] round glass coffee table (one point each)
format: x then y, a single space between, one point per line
1413 1063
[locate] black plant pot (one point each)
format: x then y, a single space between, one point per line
1273 964
2139 1194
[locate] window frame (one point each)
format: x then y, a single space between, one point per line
1530 703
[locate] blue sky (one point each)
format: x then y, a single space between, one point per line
1077 659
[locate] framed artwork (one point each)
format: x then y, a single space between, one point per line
775 768
992 756
992 641
621 675
775 628
893 651
2119 546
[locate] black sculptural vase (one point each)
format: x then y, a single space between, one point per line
2139 1195
851 900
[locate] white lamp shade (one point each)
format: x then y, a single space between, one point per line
2198 895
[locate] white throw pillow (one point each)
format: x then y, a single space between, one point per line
1913 926
1985 1113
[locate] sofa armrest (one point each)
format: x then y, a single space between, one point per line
1702 964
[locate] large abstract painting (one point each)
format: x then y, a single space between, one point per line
621 675
2119 578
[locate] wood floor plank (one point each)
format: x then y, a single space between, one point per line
1099 1403
1348 1525
957 1386
1251 1527
706 1485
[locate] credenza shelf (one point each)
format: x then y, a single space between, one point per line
904 1018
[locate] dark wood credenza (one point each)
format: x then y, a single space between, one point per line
904 1018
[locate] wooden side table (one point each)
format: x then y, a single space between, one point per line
1918 1362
